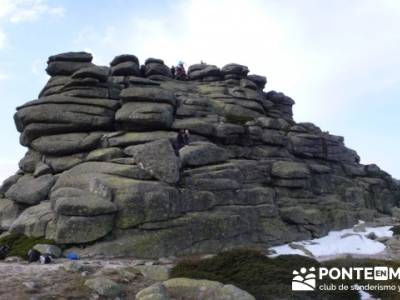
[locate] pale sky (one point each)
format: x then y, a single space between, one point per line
339 60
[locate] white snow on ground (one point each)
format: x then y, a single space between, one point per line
344 241
364 295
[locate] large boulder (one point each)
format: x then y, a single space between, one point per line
104 287
29 190
100 73
144 115
68 143
124 58
34 220
78 229
158 158
202 71
234 71
85 205
289 170
154 66
71 56
127 68
202 153
103 149
9 211
148 94
57 68
68 63
186 288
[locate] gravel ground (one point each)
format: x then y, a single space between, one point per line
20 280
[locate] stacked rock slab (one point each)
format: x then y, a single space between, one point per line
101 170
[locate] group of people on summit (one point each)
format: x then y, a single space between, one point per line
179 71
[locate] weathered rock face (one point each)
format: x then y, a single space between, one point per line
101 167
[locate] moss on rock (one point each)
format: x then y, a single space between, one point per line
252 271
395 230
20 244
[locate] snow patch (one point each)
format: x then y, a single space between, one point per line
345 241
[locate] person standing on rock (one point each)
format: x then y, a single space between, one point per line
180 71
173 71
182 139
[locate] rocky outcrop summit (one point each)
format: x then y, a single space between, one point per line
101 171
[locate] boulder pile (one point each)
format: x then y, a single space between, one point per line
101 170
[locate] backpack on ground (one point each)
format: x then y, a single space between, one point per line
33 255
45 259
4 250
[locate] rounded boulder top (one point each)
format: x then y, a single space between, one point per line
134 161
124 58
72 56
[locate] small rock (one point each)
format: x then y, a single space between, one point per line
13 259
104 287
372 236
393 244
301 248
127 275
165 261
154 292
383 239
207 256
396 213
30 285
360 227
155 272
346 235
72 266
138 262
271 252
185 288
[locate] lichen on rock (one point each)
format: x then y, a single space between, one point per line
103 167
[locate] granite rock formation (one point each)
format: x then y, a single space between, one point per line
101 171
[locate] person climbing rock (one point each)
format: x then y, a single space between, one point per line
180 72
182 139
173 71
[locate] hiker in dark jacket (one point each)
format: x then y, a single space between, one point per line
182 139
173 71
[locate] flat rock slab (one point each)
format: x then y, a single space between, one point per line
158 158
33 220
104 287
186 288
86 205
30 190
148 94
290 169
9 211
82 229
68 143
202 153
145 116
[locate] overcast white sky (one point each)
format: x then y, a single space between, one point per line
339 60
